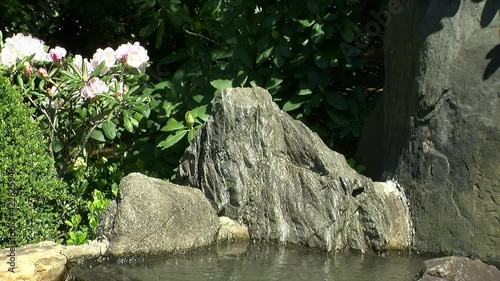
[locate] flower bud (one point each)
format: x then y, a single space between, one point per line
189 119
28 69
42 72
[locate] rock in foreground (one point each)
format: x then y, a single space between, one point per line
457 268
151 216
261 168
45 261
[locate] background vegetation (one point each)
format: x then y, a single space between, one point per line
34 201
197 48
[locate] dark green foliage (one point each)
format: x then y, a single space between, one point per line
291 48
81 26
33 200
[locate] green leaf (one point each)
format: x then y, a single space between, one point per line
221 84
57 145
338 118
284 49
317 33
150 27
304 24
347 34
173 125
109 129
336 101
191 134
312 6
304 92
263 42
172 139
145 110
264 55
293 103
134 122
321 61
159 34
271 20
97 135
98 69
244 57
127 124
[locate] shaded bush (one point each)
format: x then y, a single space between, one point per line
34 201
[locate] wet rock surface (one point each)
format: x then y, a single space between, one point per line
457 268
265 170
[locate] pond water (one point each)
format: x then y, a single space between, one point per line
256 262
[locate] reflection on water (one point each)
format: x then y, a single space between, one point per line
257 262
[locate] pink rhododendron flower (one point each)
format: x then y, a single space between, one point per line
134 56
107 55
57 54
94 87
20 46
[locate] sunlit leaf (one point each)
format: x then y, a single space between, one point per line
172 125
109 129
97 135
221 84
172 139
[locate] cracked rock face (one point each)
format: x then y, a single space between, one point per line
437 129
261 168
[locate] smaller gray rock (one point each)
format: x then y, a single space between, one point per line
457 268
151 216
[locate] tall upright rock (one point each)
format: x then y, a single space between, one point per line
262 168
437 129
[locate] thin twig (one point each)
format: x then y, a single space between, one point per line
202 36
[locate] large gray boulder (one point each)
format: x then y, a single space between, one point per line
151 216
457 268
262 168
437 129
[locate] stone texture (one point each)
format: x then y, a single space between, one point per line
265 170
35 262
151 216
79 253
231 231
437 129
457 268
46 261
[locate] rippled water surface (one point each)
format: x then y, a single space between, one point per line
257 262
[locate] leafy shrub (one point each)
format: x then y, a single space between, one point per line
34 202
294 49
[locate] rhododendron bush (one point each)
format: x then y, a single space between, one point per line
84 106
82 103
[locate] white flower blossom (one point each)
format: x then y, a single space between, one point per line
94 87
57 54
107 55
134 56
78 62
20 46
